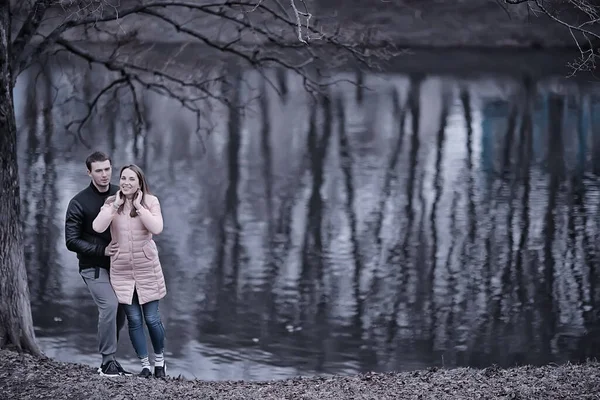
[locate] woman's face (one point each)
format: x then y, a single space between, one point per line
129 182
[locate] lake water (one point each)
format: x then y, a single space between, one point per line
428 220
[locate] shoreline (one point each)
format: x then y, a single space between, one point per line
507 60
25 377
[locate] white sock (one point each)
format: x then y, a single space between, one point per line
159 360
145 362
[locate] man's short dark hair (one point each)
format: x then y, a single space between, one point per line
96 156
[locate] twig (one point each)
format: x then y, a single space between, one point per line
91 108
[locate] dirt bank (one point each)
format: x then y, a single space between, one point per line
23 377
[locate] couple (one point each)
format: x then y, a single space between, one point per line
120 265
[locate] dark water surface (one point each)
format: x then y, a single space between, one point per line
428 221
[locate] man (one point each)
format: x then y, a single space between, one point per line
94 251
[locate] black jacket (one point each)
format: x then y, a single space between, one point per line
79 235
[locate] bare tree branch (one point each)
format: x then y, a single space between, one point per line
219 10
299 15
584 28
28 29
188 94
251 33
92 107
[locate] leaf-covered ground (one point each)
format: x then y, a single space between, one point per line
24 377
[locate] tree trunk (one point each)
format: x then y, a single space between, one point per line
16 323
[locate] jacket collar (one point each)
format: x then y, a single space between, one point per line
95 189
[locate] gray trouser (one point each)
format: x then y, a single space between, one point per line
111 316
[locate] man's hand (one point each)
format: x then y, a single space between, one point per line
111 249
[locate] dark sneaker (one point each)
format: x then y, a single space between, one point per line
122 371
160 372
146 373
109 369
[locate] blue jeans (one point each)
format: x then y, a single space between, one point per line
136 315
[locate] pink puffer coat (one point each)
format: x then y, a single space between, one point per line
136 265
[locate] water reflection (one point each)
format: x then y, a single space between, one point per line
427 221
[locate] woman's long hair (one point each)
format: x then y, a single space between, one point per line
143 187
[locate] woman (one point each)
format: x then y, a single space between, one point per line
134 215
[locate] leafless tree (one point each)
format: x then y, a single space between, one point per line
180 49
580 17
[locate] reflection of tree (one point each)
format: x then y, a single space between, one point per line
283 199
267 166
399 254
502 307
390 173
266 153
465 98
595 145
525 152
496 308
589 253
467 274
588 246
346 166
313 299
524 317
548 305
228 253
489 256
43 265
509 138
31 119
272 262
438 183
450 270
48 203
381 269
575 219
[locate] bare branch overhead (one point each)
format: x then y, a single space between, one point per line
581 18
184 49
244 26
29 28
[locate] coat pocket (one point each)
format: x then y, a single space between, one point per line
150 250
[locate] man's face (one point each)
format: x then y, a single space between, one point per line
100 173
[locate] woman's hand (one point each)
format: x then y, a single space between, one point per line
119 199
137 200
